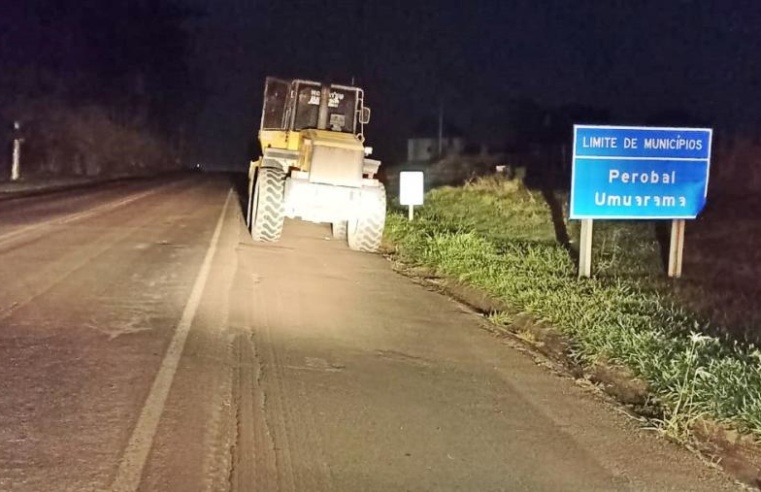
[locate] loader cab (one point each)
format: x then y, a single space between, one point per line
301 104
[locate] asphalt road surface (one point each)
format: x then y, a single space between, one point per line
146 343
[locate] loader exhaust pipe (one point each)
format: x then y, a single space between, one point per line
322 116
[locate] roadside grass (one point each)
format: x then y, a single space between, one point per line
497 236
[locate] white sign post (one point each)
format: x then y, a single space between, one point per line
585 248
676 248
411 190
16 166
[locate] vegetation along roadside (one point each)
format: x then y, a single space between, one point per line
498 237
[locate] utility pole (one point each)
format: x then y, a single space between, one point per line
17 141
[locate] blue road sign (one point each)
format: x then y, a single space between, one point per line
624 172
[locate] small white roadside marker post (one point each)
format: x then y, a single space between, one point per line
411 190
585 249
676 248
17 140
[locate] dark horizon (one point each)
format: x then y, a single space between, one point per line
633 60
691 59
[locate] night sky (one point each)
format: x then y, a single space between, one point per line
634 58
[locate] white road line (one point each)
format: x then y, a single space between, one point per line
136 454
73 217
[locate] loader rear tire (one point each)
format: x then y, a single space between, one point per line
366 232
267 210
338 229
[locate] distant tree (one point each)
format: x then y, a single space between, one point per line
128 58
127 55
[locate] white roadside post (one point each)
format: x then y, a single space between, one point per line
411 190
17 140
676 248
585 249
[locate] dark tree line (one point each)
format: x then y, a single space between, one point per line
121 63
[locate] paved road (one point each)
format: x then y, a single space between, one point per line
147 344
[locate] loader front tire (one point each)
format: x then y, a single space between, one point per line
338 229
366 232
267 211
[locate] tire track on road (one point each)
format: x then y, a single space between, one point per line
255 456
297 444
254 464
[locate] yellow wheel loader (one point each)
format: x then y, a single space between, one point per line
314 164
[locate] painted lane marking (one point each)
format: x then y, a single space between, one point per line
135 455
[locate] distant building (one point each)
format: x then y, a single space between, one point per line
423 145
